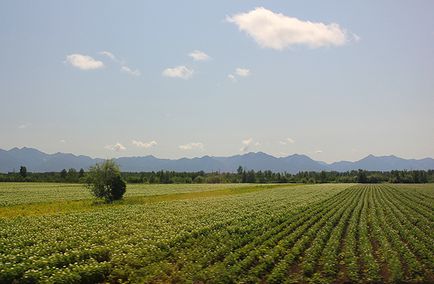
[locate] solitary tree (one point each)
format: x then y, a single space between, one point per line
105 181
240 170
23 171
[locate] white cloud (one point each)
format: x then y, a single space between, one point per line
287 141
318 151
232 78
145 145
191 146
84 62
247 141
242 72
246 144
277 31
198 55
124 67
128 70
62 141
118 147
109 55
178 72
239 72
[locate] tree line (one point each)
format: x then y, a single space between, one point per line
241 176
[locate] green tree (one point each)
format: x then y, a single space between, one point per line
199 179
72 175
323 177
250 177
362 177
105 181
63 174
240 170
23 171
244 177
153 178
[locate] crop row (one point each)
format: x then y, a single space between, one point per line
135 236
327 233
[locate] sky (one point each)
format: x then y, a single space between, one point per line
335 80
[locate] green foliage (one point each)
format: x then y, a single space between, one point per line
241 176
63 174
105 181
23 172
81 173
199 179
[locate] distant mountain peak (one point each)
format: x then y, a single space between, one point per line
298 156
37 161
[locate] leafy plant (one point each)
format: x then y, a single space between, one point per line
105 181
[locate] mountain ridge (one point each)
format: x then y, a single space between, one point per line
38 161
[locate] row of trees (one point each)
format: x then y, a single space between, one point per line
241 176
70 176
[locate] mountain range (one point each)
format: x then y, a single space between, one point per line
37 161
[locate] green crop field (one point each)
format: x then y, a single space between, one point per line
56 233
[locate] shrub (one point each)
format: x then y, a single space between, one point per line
105 181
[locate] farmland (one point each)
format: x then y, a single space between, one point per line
218 233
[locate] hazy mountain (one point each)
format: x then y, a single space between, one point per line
297 163
37 161
384 163
151 163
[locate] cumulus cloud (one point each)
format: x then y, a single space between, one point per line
109 55
246 144
239 72
287 141
242 72
191 146
277 31
145 145
178 72
118 147
198 55
124 68
84 62
232 78
129 71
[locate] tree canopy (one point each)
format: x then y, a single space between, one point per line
105 181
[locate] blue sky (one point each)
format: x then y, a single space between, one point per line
331 79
